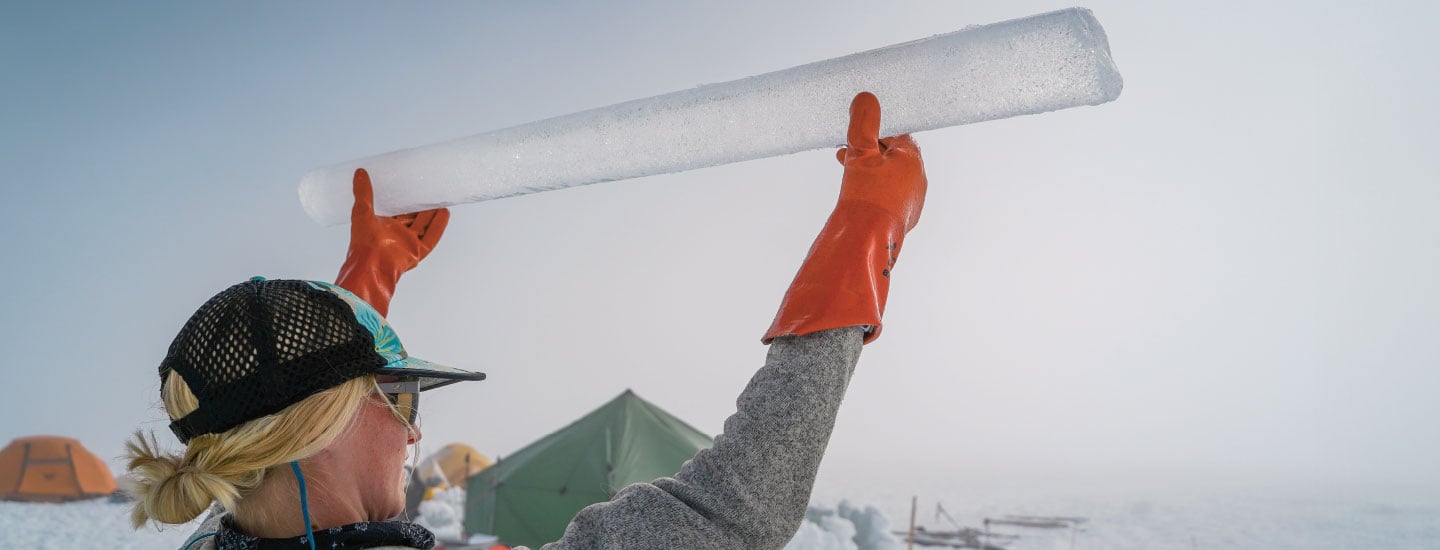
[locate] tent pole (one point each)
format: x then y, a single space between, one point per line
24 465
70 459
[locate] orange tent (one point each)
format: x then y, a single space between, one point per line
48 468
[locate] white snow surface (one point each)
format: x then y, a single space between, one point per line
846 527
1025 66
444 514
81 525
1181 517
1160 519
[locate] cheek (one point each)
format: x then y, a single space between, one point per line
397 438
386 449
388 437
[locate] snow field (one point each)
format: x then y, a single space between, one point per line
1159 520
80 525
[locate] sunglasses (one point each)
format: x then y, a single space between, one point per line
404 395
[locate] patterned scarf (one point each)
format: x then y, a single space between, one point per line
365 534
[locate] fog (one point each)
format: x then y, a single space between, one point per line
1227 274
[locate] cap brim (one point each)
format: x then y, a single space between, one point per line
431 375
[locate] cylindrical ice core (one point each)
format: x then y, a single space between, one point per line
1024 66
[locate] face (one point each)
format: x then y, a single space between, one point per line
372 454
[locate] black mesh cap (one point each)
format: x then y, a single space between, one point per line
263 345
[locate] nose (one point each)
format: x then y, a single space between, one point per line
415 435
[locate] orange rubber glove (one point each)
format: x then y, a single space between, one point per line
846 276
382 249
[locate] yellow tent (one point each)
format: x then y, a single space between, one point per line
451 465
47 468
447 467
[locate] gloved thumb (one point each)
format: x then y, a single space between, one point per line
364 209
864 135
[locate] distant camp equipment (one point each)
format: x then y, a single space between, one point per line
49 468
528 498
451 465
445 468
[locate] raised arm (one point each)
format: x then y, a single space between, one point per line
750 489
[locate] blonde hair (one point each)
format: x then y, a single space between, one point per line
225 467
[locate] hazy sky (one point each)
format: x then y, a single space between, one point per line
1228 272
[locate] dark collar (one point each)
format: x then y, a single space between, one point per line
365 534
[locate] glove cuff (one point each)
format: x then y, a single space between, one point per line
846 275
367 274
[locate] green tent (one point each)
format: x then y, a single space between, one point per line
529 497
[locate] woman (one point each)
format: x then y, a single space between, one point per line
320 410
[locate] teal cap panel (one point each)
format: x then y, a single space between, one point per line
387 344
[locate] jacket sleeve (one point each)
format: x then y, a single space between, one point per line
750 489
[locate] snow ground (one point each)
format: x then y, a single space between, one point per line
81 525
1189 519
1160 520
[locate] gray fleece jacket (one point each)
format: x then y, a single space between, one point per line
750 489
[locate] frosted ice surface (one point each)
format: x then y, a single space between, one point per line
823 530
872 528
84 525
847 527
1024 66
444 514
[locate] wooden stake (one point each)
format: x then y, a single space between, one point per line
911 538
